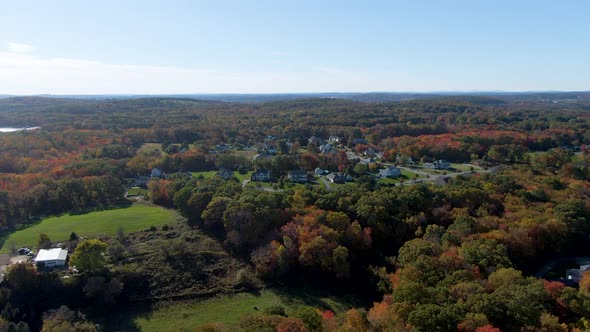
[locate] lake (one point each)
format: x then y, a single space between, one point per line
11 129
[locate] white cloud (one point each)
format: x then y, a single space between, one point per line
25 73
19 47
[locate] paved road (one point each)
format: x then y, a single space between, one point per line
434 177
554 262
326 183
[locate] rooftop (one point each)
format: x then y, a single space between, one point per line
51 254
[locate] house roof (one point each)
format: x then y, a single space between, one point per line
51 254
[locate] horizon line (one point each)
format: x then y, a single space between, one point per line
301 93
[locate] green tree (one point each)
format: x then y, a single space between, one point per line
415 248
485 253
309 317
88 256
66 320
22 276
575 214
43 242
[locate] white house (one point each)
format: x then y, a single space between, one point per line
325 148
52 257
390 172
156 173
260 174
439 164
318 171
334 139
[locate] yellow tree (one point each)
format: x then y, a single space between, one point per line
89 255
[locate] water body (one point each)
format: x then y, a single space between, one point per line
11 129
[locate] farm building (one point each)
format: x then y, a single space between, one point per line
55 257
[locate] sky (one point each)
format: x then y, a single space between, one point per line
280 46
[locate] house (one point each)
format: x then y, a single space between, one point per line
334 139
575 275
336 177
318 171
369 152
271 149
367 161
225 173
156 173
260 174
390 172
325 148
439 164
220 148
297 176
55 257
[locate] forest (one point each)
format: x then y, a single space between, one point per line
441 251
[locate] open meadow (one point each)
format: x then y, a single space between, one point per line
134 218
187 316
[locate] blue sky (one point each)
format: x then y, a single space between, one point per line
69 47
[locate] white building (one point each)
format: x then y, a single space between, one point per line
390 172
52 257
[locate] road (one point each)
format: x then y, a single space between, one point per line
326 183
550 265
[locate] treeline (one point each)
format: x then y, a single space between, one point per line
443 257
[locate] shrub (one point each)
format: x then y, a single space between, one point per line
244 278
275 310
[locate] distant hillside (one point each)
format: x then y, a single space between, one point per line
378 97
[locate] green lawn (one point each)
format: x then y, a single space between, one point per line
228 310
406 175
260 184
149 148
136 191
243 177
464 168
206 175
409 175
134 218
210 174
434 171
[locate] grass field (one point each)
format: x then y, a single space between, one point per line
210 174
206 175
228 310
149 149
464 167
136 191
405 175
243 177
134 218
409 175
434 171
